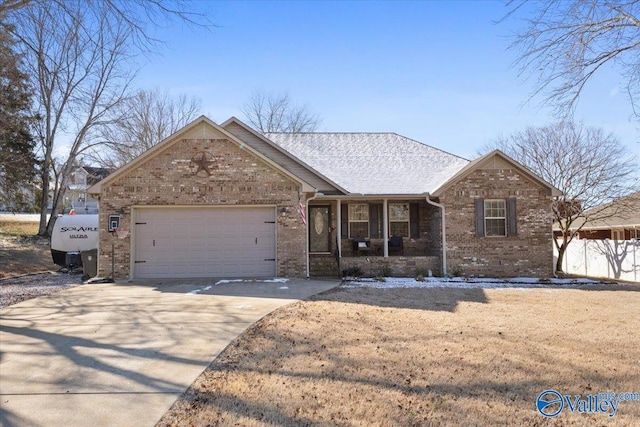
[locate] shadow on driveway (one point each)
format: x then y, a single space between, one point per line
120 354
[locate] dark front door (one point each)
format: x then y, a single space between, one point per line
319 233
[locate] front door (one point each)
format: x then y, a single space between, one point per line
319 232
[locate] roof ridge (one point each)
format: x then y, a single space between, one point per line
431 146
371 133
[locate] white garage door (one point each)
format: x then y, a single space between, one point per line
204 242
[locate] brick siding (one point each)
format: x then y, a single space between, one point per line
529 253
238 178
398 266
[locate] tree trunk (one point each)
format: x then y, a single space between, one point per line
561 250
44 201
58 197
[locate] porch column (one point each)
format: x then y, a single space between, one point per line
385 229
339 227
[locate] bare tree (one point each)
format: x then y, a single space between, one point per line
565 43
11 5
81 55
80 77
587 165
140 122
277 113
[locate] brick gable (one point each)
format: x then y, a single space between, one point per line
529 253
232 176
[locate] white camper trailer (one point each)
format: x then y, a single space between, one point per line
72 236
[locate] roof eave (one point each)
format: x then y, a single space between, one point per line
97 188
552 191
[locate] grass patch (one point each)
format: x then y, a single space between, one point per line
18 228
21 250
422 357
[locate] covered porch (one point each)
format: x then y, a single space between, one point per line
375 236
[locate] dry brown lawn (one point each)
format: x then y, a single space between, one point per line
21 251
424 357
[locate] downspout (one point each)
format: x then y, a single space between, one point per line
444 235
339 229
306 228
385 228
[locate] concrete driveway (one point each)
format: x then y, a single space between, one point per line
120 354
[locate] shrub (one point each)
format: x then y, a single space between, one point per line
423 272
457 272
353 271
386 270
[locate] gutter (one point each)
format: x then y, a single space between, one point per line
444 235
360 196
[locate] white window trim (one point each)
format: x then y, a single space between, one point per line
407 221
358 220
486 217
617 234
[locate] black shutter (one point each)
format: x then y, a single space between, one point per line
414 220
344 221
512 217
479 217
374 221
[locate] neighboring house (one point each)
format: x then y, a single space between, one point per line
608 244
225 201
617 220
76 196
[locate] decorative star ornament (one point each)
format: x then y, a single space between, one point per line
203 161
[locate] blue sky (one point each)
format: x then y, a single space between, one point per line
437 72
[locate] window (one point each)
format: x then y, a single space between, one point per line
79 178
359 220
495 218
617 234
399 219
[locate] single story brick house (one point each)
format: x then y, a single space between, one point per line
226 201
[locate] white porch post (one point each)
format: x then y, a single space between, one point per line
339 227
385 229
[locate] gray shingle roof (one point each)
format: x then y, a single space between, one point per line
373 163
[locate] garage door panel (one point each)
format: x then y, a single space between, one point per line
230 242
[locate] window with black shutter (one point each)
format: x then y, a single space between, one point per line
414 215
399 219
375 220
496 217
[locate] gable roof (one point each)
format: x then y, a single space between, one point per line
495 160
372 163
95 174
204 125
279 155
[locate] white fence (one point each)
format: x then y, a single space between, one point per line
612 259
